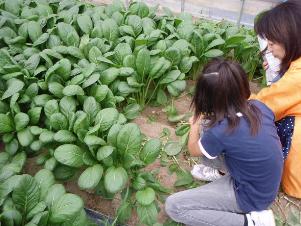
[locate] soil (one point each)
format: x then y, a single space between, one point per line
153 128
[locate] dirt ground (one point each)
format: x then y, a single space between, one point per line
153 128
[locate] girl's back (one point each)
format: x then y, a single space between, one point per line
254 161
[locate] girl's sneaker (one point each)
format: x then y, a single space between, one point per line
261 218
205 173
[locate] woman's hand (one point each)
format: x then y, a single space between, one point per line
265 65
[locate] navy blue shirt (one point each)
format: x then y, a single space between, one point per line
254 162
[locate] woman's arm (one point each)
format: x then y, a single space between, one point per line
281 96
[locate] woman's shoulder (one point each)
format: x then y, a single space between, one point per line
295 66
262 107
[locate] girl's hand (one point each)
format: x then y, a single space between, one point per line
193 122
265 65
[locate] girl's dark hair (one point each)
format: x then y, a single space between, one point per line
222 90
282 25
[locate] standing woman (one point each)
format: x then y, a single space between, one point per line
281 26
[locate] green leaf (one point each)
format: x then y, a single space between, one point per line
136 23
131 111
56 89
172 148
124 89
115 179
21 121
110 29
170 77
139 8
40 207
68 34
34 30
143 62
62 172
131 161
126 72
214 43
129 61
55 192
46 136
45 179
9 185
161 97
26 195
58 121
4 108
73 90
50 164
81 123
92 140
91 80
25 137
104 152
150 151
147 214
36 145
35 130
32 90
235 40
182 129
65 208
121 51
69 154
186 63
64 136
51 107
126 30
14 86
6 124
113 133
94 53
109 75
12 147
89 159
67 105
34 115
129 139
106 118
41 100
183 178
13 6
85 23
213 53
173 55
124 211
33 62
75 52
99 92
146 197
41 40
177 87
91 107
90 178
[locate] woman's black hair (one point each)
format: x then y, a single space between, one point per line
282 25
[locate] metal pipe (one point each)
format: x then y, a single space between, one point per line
182 6
241 12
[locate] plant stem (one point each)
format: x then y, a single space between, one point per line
152 94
